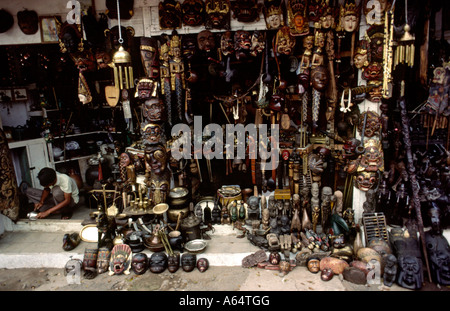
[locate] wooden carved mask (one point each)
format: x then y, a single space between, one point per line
170 16
218 14
193 12
245 11
273 14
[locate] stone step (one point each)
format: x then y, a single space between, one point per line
47 225
37 249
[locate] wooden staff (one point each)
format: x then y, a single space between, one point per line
423 66
448 132
414 182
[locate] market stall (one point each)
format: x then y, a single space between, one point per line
317 129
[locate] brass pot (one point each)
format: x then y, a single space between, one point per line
173 213
178 196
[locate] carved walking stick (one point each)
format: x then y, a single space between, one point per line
414 182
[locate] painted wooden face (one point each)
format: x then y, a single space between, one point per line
366 180
154 110
152 133
319 78
139 263
202 264
158 262
350 23
193 12
218 14
169 14
206 41
149 57
285 42
314 265
246 11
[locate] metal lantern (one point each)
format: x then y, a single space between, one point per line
404 53
405 49
123 70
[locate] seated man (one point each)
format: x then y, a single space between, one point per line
60 194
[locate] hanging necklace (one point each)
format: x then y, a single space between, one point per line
315 107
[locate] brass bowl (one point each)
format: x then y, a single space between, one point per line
160 208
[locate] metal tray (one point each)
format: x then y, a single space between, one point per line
195 246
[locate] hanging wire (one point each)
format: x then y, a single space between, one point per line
118 20
406 11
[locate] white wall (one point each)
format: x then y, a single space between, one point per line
14 114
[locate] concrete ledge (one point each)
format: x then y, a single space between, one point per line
27 248
38 244
47 225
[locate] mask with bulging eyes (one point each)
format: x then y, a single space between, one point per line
372 158
120 261
193 12
218 14
152 134
139 263
154 110
245 11
242 40
374 71
258 43
366 180
372 126
170 15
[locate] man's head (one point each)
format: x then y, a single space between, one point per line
47 177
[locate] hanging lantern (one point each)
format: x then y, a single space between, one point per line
404 53
123 70
405 48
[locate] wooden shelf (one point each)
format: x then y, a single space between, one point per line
74 159
86 133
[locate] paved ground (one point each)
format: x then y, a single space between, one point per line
41 241
214 279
